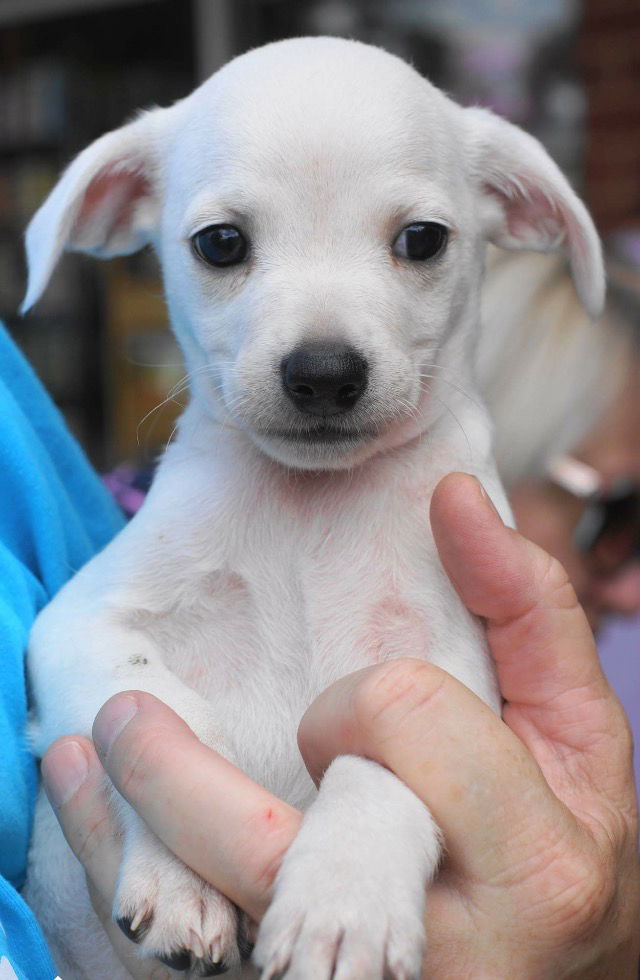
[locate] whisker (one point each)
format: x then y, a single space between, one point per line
171 435
175 391
156 408
462 391
458 423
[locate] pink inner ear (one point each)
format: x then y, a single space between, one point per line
533 219
110 200
545 222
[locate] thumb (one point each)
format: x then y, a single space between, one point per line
548 668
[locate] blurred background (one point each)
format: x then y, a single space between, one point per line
567 70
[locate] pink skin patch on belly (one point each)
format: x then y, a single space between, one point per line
394 629
225 584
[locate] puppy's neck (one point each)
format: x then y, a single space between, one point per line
228 454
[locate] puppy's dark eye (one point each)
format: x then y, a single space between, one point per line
420 241
220 245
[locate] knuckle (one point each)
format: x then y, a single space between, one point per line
555 584
587 889
91 838
387 696
620 725
137 761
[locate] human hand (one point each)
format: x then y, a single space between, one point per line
541 877
538 810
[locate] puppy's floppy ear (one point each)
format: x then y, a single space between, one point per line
536 207
105 203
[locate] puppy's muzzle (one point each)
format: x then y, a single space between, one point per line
324 379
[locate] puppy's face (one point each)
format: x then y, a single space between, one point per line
315 250
317 239
320 213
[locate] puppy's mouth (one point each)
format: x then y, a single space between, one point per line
318 435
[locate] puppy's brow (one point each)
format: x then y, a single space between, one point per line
214 211
431 206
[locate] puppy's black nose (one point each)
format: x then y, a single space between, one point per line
324 378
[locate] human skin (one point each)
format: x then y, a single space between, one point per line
538 809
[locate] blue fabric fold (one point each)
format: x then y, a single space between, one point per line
55 514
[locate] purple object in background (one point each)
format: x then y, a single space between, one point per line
129 485
619 646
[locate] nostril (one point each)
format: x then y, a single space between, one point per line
304 391
349 392
323 378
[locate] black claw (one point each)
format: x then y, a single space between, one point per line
243 939
180 960
135 935
207 968
245 947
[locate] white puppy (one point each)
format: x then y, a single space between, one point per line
320 213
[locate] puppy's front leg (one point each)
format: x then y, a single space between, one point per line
349 897
160 904
168 910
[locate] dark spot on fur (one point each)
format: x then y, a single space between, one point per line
138 661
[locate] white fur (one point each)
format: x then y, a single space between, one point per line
260 568
539 348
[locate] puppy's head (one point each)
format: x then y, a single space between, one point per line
320 213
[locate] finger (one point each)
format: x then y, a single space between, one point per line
532 613
75 783
452 751
547 663
231 831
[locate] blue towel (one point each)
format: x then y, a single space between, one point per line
54 515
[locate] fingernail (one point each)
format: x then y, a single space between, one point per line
64 769
487 499
111 720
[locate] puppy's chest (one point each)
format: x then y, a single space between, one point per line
298 600
278 603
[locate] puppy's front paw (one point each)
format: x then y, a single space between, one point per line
349 899
325 926
171 914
